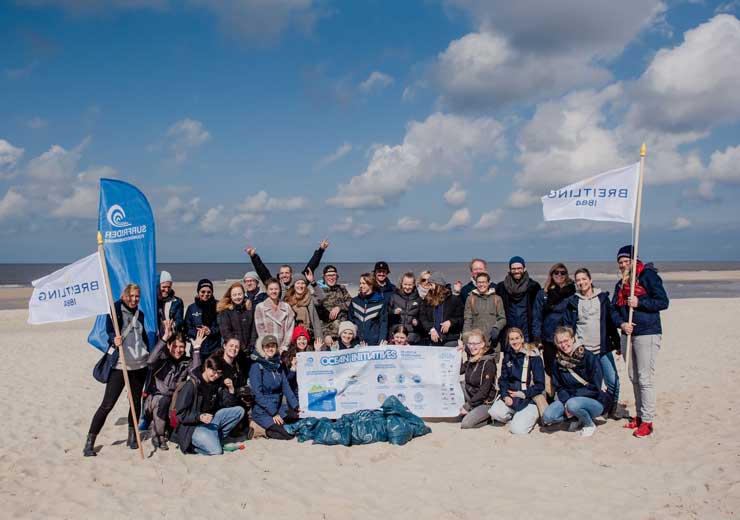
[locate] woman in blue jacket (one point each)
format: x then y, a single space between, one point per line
369 311
522 379
577 379
202 315
270 384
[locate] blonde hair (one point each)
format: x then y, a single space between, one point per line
226 303
130 287
479 333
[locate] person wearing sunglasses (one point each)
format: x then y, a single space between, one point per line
549 308
423 284
479 386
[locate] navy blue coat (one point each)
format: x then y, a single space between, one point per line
387 290
370 314
609 335
546 320
468 288
193 320
646 316
509 308
511 377
567 386
269 383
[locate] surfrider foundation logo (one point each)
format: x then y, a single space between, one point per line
117 217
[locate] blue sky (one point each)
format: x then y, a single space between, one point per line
409 130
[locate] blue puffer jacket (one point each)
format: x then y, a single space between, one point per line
646 316
567 386
370 314
609 334
545 319
511 376
269 382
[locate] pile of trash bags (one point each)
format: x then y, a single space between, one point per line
393 423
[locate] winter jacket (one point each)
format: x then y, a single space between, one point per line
452 310
484 312
370 314
480 381
238 322
193 320
387 290
119 316
170 308
314 327
264 273
270 383
545 319
334 296
512 368
467 289
278 322
519 314
608 331
646 316
256 297
167 371
404 309
567 386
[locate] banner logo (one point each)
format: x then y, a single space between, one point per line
117 217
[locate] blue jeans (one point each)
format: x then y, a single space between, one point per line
611 378
207 437
584 408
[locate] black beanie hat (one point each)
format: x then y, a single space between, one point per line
204 282
625 251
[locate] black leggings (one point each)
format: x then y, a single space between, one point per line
113 389
277 431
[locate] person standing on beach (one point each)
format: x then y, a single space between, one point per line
369 311
236 320
519 293
650 298
385 286
285 274
477 266
275 317
135 344
484 310
304 297
441 314
252 288
202 314
404 306
169 306
334 307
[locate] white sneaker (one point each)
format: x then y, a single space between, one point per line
588 431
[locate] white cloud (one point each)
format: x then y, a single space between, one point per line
214 221
13 204
376 81
443 145
9 157
337 154
36 123
261 201
522 199
83 201
459 218
489 219
408 224
304 229
681 223
177 212
184 137
362 229
57 164
455 196
725 166
343 226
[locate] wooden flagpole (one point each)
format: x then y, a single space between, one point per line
633 274
117 330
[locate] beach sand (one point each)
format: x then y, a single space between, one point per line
689 469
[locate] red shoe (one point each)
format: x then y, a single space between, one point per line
645 430
634 423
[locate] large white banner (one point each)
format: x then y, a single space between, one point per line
73 292
610 196
425 379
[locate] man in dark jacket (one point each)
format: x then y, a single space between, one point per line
381 273
285 275
333 309
252 288
477 266
169 306
649 299
518 293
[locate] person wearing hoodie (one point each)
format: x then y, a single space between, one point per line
334 308
304 296
589 314
519 292
479 386
169 366
646 330
477 266
522 379
275 317
206 411
135 345
169 306
252 288
236 320
270 385
441 314
577 379
549 307
369 311
285 274
201 314
404 306
484 310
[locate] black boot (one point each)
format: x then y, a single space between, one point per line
131 442
155 441
163 443
89 450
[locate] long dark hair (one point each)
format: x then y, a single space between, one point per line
437 295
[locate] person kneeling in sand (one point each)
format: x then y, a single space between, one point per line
522 380
577 380
206 413
479 387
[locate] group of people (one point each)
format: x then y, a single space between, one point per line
555 346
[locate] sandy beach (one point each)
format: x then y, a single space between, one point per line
689 469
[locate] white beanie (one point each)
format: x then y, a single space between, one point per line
165 276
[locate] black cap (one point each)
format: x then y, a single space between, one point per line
330 268
382 266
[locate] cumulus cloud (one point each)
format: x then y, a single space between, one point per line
489 219
262 201
459 218
348 225
375 81
337 154
443 145
522 199
177 211
680 223
213 221
13 204
725 165
184 137
455 196
9 157
343 226
408 224
57 163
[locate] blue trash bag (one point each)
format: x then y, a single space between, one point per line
368 426
331 433
303 428
401 424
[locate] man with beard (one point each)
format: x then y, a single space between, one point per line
650 298
386 287
518 293
169 306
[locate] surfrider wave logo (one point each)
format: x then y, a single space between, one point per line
117 217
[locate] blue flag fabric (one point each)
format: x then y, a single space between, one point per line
126 222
